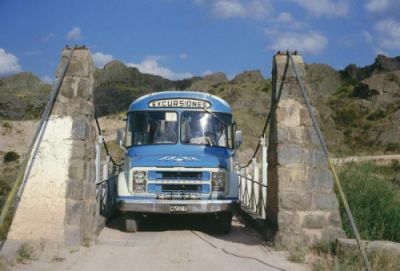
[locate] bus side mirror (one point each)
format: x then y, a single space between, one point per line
238 138
120 137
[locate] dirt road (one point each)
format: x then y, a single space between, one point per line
168 243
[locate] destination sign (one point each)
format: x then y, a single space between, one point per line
180 103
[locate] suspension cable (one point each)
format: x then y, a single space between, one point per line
274 102
325 149
27 163
104 142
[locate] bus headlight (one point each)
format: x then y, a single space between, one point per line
139 181
218 181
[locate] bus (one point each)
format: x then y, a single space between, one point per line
180 157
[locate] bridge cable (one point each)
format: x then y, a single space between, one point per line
104 142
18 186
274 102
325 149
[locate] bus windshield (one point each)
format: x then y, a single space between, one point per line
152 127
202 128
161 127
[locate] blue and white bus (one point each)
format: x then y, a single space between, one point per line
180 154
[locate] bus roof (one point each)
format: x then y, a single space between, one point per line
180 100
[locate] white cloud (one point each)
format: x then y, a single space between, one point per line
183 56
101 59
284 17
75 34
207 72
47 79
376 6
8 63
48 37
367 36
252 9
284 22
151 65
311 43
319 8
388 31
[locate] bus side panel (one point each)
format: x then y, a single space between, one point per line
123 185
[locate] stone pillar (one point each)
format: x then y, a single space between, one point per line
59 202
302 207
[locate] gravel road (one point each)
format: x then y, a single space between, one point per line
169 243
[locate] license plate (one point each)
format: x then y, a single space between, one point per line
178 208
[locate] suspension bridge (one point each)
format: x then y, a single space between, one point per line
65 191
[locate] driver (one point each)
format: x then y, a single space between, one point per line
199 128
221 137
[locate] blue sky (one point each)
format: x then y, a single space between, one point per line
181 38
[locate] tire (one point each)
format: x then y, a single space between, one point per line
131 224
224 223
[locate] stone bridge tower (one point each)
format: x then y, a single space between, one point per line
58 203
302 207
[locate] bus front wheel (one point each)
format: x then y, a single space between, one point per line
131 223
224 223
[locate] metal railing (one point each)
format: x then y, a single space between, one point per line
106 192
106 177
252 186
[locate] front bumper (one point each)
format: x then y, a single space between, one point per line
164 206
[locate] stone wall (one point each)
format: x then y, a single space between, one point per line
59 203
301 204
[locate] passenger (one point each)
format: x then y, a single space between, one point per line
166 133
170 132
221 137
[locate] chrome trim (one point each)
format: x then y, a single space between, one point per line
162 206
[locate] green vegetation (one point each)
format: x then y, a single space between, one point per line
7 125
374 199
25 252
329 257
360 122
10 156
393 78
297 254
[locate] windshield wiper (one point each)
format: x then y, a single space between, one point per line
216 116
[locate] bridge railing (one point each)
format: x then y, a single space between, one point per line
253 186
107 170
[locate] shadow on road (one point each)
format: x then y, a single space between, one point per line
239 233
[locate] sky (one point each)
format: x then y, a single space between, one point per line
182 38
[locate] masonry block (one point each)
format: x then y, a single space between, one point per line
80 129
75 189
292 178
314 221
325 201
295 201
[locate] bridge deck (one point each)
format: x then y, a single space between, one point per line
168 243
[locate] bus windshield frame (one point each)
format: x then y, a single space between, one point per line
161 127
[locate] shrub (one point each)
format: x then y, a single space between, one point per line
7 125
373 199
10 157
346 116
378 114
392 147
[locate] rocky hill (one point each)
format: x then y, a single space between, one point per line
359 107
22 96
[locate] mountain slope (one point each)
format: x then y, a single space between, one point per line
359 107
22 96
